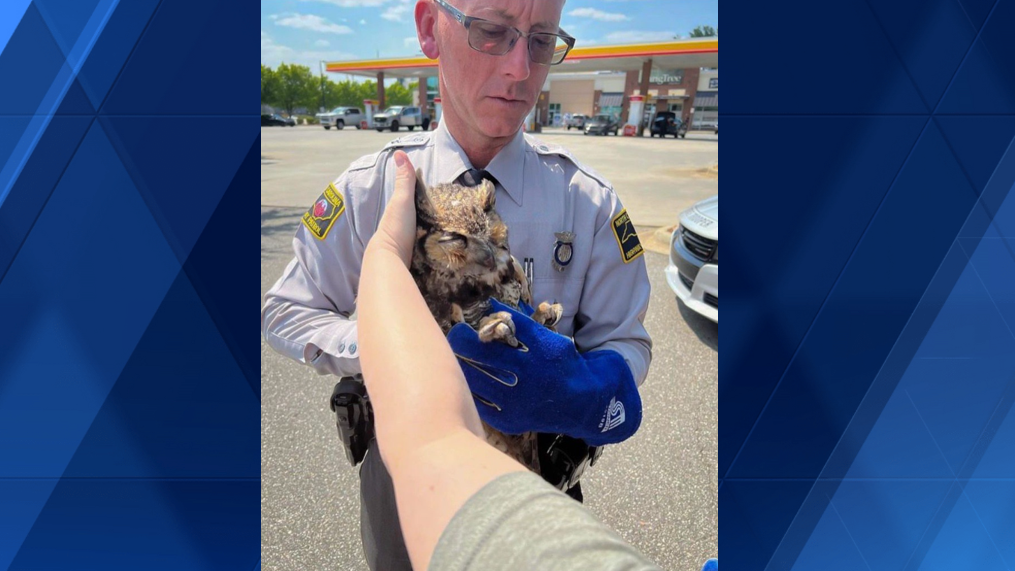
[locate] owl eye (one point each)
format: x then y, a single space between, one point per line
451 239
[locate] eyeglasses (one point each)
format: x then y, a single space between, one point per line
497 39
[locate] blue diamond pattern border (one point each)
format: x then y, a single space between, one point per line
869 380
135 409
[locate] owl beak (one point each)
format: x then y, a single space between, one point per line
488 260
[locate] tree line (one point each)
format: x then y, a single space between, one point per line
703 32
291 86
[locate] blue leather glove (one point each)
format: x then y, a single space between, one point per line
546 385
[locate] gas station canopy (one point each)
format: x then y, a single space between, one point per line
677 54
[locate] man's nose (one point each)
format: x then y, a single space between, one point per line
516 61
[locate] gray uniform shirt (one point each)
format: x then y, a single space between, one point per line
542 191
518 521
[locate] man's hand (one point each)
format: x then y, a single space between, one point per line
546 385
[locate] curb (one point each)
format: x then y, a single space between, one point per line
658 241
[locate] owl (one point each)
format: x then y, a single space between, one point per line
460 260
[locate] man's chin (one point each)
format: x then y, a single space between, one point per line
500 127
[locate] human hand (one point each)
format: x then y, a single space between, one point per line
397 228
546 385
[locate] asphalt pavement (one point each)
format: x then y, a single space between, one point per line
659 489
655 178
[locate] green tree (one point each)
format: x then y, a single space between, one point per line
269 85
322 92
367 90
331 95
298 87
395 94
347 94
704 32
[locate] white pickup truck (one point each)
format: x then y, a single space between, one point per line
339 117
400 116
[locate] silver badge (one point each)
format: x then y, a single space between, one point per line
562 250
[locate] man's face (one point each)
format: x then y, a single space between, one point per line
491 94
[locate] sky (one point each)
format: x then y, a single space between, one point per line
309 31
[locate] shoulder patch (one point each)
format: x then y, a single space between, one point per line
627 238
323 214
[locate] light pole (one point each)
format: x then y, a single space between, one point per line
323 110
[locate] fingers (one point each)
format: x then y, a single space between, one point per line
405 179
398 224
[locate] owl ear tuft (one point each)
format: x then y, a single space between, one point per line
489 195
424 208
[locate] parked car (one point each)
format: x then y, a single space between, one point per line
601 125
693 271
716 127
577 121
401 116
339 117
667 123
275 119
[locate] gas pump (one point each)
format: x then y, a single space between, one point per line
634 115
437 109
369 108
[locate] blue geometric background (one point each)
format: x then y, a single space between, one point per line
868 381
129 383
867 393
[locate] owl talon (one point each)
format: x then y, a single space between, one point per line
498 327
548 314
457 315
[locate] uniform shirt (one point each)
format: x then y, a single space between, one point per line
541 191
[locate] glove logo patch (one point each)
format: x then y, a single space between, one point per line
614 415
627 238
323 214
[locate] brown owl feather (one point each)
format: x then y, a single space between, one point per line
460 260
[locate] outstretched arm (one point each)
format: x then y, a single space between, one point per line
427 427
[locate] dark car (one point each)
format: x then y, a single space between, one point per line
276 120
667 123
601 125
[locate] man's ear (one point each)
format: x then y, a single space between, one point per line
426 28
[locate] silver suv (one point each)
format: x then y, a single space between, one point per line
339 117
577 121
400 116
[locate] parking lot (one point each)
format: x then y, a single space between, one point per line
655 178
658 490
